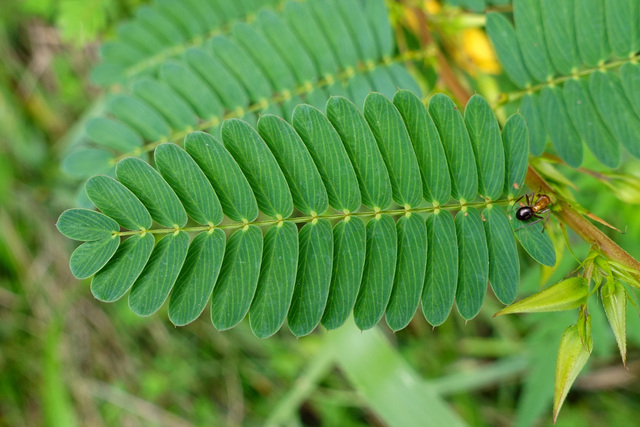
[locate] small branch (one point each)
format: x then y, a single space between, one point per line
581 225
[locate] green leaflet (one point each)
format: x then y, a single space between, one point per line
484 135
441 277
615 110
152 287
614 302
313 277
141 37
359 88
349 243
515 140
622 26
205 10
395 146
504 265
277 279
378 17
567 294
84 163
242 67
187 83
591 34
630 76
174 109
361 146
457 147
410 271
86 225
118 202
260 168
559 32
90 257
231 186
299 17
139 115
335 31
181 16
537 244
473 261
330 156
382 81
436 184
288 46
113 134
557 122
589 124
530 110
198 276
308 192
530 35
153 191
122 270
238 278
379 270
190 183
232 94
504 40
353 15
265 56
403 79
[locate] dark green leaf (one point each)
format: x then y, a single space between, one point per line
615 110
457 147
557 122
122 270
588 123
436 184
307 189
395 146
528 20
559 32
231 186
87 162
591 33
484 134
441 278
118 202
313 278
403 79
530 110
537 244
330 156
630 76
153 191
90 257
352 12
515 140
154 284
260 167
623 28
473 271
198 276
410 271
504 265
382 81
140 116
190 183
363 151
86 225
113 134
378 17
349 240
277 279
238 279
379 270
504 40
177 112
335 31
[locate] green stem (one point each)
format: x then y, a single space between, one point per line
304 219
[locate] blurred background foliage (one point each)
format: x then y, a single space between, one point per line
67 360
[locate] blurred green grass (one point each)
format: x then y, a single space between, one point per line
68 360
